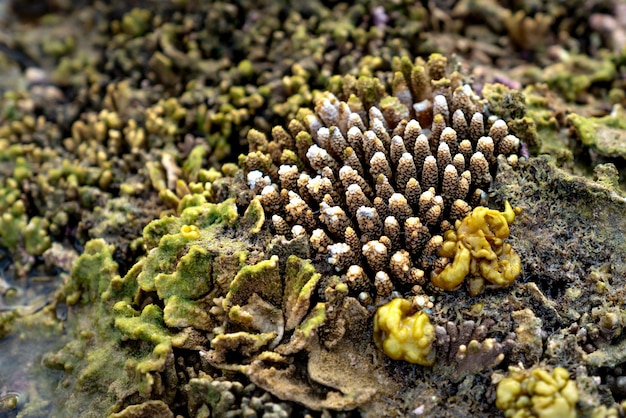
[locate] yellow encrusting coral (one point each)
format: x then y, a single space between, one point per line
402 336
475 249
537 393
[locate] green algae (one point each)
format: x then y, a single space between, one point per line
504 101
313 321
145 409
190 279
262 278
539 128
526 113
181 313
148 326
254 216
20 232
585 129
605 135
6 322
179 270
194 211
161 267
301 279
136 22
91 274
94 358
193 163
576 75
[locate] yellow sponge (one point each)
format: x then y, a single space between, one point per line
477 251
402 336
537 393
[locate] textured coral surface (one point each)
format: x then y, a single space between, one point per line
325 208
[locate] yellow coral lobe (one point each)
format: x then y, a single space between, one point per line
537 392
190 232
402 336
454 273
507 393
510 212
477 250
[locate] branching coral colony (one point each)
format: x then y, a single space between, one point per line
377 183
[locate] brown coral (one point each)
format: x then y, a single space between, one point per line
376 187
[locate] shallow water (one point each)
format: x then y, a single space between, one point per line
24 381
23 378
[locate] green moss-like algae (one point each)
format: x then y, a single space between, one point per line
149 326
92 275
520 111
576 75
180 268
120 346
190 280
254 216
504 102
301 278
94 358
606 135
313 321
180 313
165 238
262 278
584 127
17 231
6 322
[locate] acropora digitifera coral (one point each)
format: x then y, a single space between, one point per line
402 335
374 180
